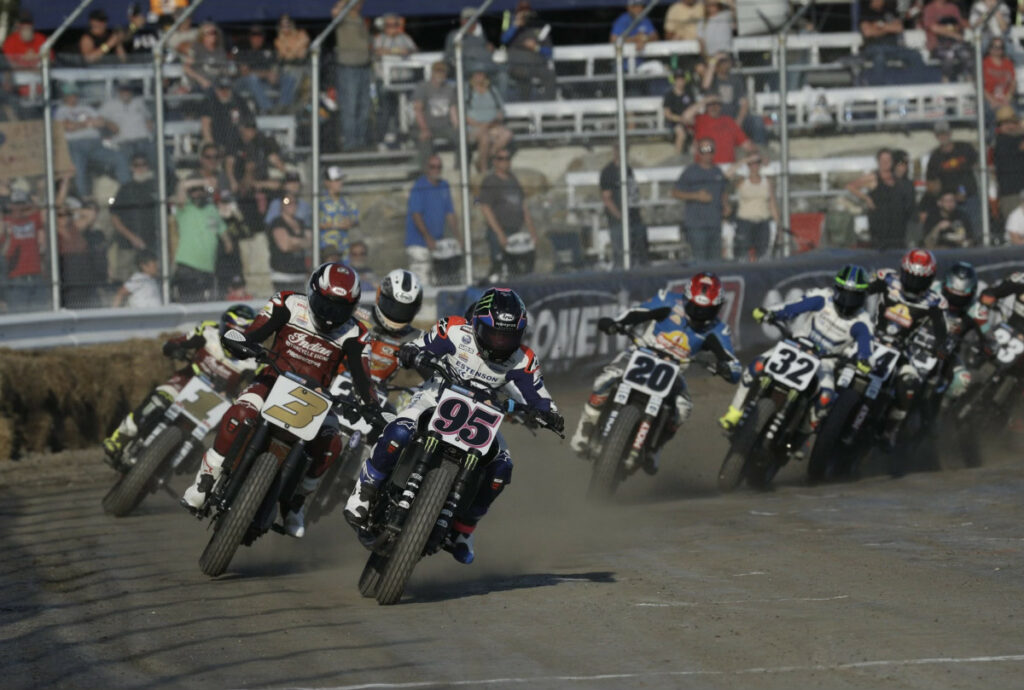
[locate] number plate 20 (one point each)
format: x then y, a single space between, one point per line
465 423
792 366
298 409
650 375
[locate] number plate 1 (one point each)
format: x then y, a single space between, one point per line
202 405
294 407
791 366
465 423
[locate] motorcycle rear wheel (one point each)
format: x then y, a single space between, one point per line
133 486
606 474
233 525
742 446
409 545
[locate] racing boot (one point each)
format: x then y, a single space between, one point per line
580 441
357 508
731 418
462 546
295 516
209 473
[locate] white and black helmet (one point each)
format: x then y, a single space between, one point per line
398 299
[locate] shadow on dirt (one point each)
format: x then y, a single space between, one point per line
446 591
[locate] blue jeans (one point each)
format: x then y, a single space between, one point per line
26 293
92 151
257 89
638 247
354 110
971 207
753 127
705 242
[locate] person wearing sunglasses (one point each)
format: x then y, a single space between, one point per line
702 186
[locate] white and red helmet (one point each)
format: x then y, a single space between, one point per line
333 294
917 271
704 299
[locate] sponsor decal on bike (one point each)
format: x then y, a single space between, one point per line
641 435
900 314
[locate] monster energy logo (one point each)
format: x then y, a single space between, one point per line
471 460
431 444
485 302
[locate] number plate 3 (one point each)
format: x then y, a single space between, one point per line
465 423
292 406
792 367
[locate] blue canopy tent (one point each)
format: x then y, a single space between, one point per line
49 13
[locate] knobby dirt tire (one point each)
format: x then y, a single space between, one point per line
369 580
408 548
733 468
828 456
233 525
134 485
606 474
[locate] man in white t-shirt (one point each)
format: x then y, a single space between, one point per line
142 289
128 117
82 126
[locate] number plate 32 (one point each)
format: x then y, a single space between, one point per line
792 367
294 407
465 423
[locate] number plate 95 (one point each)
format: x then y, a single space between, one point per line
465 423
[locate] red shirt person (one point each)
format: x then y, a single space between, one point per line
998 76
23 241
22 48
721 129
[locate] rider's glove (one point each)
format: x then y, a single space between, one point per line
239 350
409 356
175 351
761 315
607 325
552 420
864 366
374 417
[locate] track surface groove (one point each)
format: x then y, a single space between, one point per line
910 583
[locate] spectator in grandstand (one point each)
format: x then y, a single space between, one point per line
476 52
208 61
944 31
82 126
140 37
1015 223
187 35
530 51
238 291
290 241
702 186
23 242
83 254
503 204
21 48
127 119
259 72
946 227
430 210
880 26
1008 158
134 215
682 95
211 169
999 79
434 106
889 203
219 114
716 31
338 215
99 43
722 129
642 34
142 289
354 54
198 230
359 259
755 208
951 168
485 120
998 25
291 186
683 20
732 90
611 197
394 42
292 48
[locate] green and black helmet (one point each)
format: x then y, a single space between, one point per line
851 290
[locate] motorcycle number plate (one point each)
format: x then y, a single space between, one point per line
649 374
1011 344
465 423
292 406
883 360
792 367
200 403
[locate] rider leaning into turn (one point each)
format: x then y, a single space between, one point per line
964 316
487 350
201 347
313 335
1012 284
691 327
832 319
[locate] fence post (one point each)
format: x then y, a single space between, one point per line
314 101
979 97
51 194
161 152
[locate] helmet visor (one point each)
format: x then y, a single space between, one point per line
497 343
915 285
699 314
396 311
849 302
328 313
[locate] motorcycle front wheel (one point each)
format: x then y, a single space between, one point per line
742 446
607 471
133 486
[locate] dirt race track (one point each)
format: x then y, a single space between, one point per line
909 583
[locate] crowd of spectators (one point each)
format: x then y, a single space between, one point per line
241 217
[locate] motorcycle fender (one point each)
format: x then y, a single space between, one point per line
622 393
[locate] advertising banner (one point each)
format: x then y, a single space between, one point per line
564 309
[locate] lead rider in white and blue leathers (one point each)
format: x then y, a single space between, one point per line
692 326
832 319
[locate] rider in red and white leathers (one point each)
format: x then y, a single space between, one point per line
313 334
487 349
